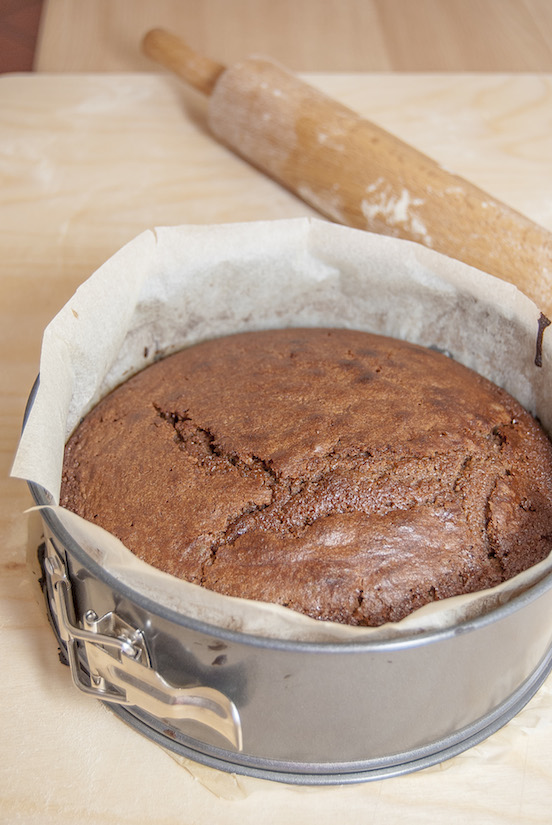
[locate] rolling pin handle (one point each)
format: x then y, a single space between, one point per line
173 53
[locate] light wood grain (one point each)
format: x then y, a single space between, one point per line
86 163
306 35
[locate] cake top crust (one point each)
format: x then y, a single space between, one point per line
349 476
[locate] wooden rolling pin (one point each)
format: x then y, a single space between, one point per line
356 173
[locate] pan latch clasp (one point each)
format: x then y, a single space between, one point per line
109 660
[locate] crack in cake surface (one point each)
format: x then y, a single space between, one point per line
285 512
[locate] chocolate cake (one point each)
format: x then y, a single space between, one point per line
349 476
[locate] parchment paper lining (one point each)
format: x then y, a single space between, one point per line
174 286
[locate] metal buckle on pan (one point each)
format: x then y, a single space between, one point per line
119 665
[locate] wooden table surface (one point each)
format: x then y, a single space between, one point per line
306 35
86 163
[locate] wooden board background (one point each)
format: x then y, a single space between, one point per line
306 35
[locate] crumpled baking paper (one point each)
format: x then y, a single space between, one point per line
174 286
